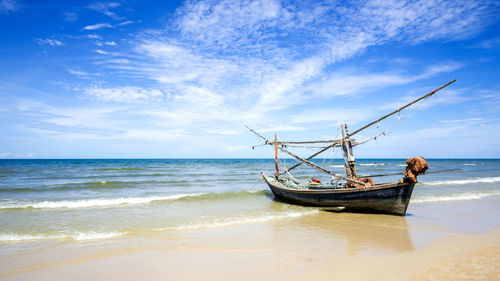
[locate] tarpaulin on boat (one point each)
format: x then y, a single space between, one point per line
415 166
369 182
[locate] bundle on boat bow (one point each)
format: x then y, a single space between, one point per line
349 191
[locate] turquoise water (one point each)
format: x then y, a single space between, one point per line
98 199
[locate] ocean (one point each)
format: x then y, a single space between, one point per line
95 199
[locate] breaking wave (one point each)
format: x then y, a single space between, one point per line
106 202
239 221
457 197
93 185
78 236
466 181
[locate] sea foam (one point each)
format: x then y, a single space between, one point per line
249 220
101 202
465 181
105 202
78 236
456 197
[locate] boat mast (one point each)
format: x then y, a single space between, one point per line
302 160
349 161
276 156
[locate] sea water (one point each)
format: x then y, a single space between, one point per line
78 200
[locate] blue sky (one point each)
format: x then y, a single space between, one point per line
179 79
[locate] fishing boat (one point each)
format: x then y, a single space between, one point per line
349 192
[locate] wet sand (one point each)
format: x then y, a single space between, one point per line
320 246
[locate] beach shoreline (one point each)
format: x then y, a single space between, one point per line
185 220
274 250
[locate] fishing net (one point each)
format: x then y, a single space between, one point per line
415 166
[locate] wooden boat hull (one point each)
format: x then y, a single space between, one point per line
391 198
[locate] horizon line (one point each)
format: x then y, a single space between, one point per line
234 158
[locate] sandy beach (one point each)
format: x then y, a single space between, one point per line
320 246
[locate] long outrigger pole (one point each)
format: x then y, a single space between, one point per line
398 174
401 108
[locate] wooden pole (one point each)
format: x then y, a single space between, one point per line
352 161
401 108
276 156
346 155
335 142
261 136
319 167
308 158
306 161
303 142
402 173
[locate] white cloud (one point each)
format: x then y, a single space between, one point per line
329 115
94 36
79 73
462 121
259 88
128 22
97 26
50 42
5 154
260 62
180 65
354 81
7 6
488 44
445 96
255 26
70 16
281 128
230 22
102 52
123 94
106 9
284 67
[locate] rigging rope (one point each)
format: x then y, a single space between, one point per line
392 126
